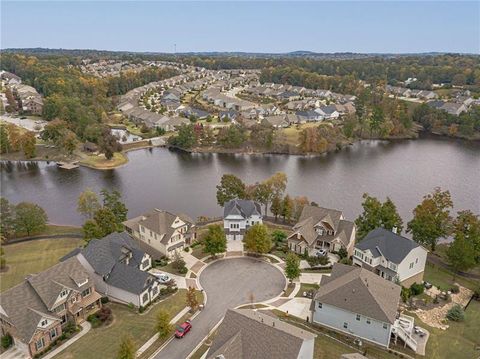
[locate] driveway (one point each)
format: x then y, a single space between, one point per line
228 284
26 123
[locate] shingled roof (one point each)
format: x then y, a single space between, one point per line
241 207
360 291
392 246
245 333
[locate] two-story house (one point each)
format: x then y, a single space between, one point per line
119 268
163 232
238 216
322 228
357 302
35 311
246 333
391 256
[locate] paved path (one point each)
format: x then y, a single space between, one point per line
228 283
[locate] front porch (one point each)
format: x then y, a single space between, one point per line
89 305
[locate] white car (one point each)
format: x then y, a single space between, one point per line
162 277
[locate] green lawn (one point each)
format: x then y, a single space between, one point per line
52 229
33 257
103 343
443 278
459 340
169 268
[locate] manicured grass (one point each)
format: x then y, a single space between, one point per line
459 341
52 229
104 342
100 162
198 252
169 268
443 278
33 257
305 287
289 290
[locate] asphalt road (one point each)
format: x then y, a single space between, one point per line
228 284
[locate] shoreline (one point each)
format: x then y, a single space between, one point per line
81 161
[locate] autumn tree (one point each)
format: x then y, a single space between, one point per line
88 203
113 201
4 140
192 300
230 187
257 239
376 120
29 218
162 325
108 143
27 142
127 348
287 208
276 207
467 227
215 240
431 218
377 214
7 218
292 266
298 203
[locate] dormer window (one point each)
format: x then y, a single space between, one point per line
44 322
63 293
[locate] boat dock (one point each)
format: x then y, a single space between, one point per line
67 165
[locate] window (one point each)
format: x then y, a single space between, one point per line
368 321
416 261
73 300
358 316
385 325
320 305
44 322
40 344
145 298
345 325
392 266
64 318
53 333
151 234
60 308
154 291
86 292
145 263
63 293
142 229
411 265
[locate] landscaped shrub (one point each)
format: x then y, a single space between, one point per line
343 253
141 309
315 261
456 313
416 289
94 321
105 315
105 300
455 289
186 249
7 341
405 294
346 261
183 270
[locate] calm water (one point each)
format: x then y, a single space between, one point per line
404 170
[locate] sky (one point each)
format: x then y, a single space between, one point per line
274 27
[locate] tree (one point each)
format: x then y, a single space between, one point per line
29 218
230 187
88 203
185 137
127 348
91 230
7 218
162 325
262 194
292 266
278 183
69 142
377 119
461 255
298 204
106 222
377 214
112 201
4 140
215 240
108 143
27 142
431 218
467 227
287 208
257 240
278 236
192 300
276 207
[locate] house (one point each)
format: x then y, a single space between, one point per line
164 232
391 256
238 216
322 228
246 333
35 311
450 107
279 121
119 268
357 302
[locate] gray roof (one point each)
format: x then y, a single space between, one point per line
360 291
108 258
30 301
392 246
245 333
242 207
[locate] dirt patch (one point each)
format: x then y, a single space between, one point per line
436 317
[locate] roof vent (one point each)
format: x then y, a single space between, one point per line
273 324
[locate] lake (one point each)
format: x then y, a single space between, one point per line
183 182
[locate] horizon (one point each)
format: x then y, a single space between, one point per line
384 27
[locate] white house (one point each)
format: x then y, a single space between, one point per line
163 233
357 302
238 216
391 256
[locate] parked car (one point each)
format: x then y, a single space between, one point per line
162 278
321 253
183 329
